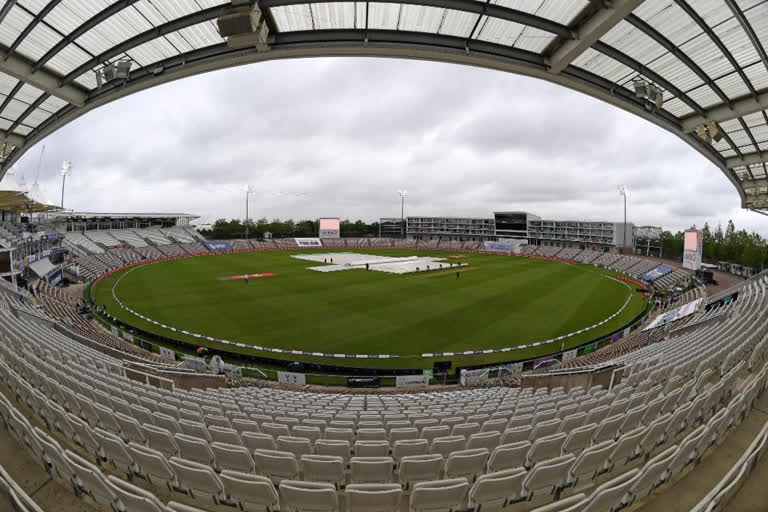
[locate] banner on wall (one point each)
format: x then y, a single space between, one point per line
128 336
411 381
308 242
505 247
570 354
291 378
218 246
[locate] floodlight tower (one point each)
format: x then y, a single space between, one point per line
249 189
66 170
624 191
402 194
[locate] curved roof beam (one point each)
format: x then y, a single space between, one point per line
96 19
6 8
11 138
744 22
161 30
471 6
715 39
10 96
668 45
647 72
748 159
745 106
31 108
20 69
35 22
595 27
381 43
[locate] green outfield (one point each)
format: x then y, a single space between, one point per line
499 301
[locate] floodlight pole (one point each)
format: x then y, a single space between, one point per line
66 168
623 192
402 194
247 195
625 219
402 215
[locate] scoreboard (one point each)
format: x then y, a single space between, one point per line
330 228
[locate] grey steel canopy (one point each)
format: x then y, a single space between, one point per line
62 58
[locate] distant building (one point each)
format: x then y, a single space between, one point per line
463 229
597 235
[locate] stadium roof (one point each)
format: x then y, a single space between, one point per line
709 58
14 197
112 215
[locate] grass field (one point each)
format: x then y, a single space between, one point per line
498 302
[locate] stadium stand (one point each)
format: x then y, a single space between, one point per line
194 247
179 235
128 237
285 243
240 245
64 308
171 250
569 254
80 244
587 256
680 396
463 448
149 252
547 252
10 235
102 238
154 236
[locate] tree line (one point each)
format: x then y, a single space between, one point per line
742 247
224 229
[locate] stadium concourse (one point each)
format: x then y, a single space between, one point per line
684 425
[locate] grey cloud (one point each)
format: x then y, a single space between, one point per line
319 136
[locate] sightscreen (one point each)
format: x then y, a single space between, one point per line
330 228
691 240
692 249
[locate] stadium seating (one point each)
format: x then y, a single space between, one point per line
102 238
592 449
679 397
128 237
547 251
179 235
80 244
154 236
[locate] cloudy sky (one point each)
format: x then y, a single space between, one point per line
339 137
